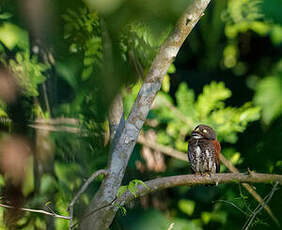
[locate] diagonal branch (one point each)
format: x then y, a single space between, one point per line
260 207
248 187
182 156
82 190
125 143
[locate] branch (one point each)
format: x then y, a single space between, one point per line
260 207
37 211
86 184
61 124
126 141
189 122
233 169
54 128
116 117
162 148
58 121
192 180
82 190
182 156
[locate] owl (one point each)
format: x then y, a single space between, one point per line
204 151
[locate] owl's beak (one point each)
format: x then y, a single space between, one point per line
196 135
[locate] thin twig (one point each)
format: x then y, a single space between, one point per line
36 211
259 199
58 121
57 128
182 117
260 207
182 156
46 98
171 226
232 204
162 148
82 190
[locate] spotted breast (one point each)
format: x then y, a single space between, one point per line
204 150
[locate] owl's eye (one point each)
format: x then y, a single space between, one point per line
205 131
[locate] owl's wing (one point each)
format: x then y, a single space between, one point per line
217 155
190 155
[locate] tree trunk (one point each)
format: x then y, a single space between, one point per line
100 213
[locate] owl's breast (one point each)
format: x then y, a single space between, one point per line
201 154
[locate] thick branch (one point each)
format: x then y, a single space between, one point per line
124 145
191 180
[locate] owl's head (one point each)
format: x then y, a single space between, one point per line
204 131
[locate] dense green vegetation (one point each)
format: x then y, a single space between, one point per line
228 74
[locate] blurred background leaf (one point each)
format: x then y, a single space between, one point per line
227 75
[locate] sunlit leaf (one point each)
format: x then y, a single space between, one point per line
269 97
187 206
121 190
212 98
12 36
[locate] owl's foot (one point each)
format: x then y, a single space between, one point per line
206 174
198 174
209 175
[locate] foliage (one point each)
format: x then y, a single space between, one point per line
82 30
28 72
140 44
227 75
132 187
12 36
268 95
209 108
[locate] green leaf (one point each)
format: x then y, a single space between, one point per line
185 100
121 190
212 98
28 185
206 217
166 83
136 182
171 68
187 206
123 210
12 36
5 15
268 96
48 203
29 72
219 216
48 185
132 188
86 73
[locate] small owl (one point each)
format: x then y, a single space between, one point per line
204 150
